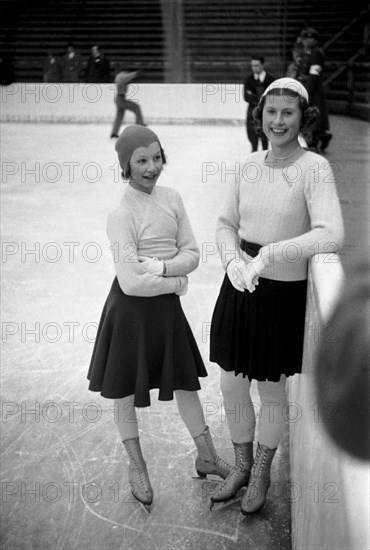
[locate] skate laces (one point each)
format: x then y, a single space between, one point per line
221 463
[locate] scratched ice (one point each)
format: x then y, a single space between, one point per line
64 471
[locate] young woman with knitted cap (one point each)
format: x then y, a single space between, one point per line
144 340
283 210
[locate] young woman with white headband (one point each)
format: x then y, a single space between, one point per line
283 210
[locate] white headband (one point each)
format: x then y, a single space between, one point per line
290 84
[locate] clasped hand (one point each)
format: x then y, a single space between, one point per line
152 265
244 275
156 267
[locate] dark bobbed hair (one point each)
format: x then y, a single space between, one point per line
126 173
309 114
259 58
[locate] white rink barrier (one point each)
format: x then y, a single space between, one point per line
329 488
94 103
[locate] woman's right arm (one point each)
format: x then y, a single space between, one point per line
133 279
228 228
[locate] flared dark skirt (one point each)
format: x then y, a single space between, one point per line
141 344
259 334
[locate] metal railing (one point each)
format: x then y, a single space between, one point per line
349 64
340 33
342 68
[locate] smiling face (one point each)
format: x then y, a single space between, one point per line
281 120
146 166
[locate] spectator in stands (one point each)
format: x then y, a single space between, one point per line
144 340
6 71
71 64
254 86
257 327
98 67
52 68
310 73
122 81
297 54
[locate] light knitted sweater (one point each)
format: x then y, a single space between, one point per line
153 225
290 207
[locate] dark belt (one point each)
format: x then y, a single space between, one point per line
251 249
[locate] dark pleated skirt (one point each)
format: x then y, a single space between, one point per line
259 334
141 344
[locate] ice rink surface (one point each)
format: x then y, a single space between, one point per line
63 468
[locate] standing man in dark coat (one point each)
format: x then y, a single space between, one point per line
71 64
310 73
52 71
6 71
254 86
98 67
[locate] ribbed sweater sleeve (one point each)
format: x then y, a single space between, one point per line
326 233
133 279
187 257
292 210
228 227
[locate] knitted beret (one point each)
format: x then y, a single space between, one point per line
130 139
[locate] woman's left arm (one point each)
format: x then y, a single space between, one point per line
326 234
187 257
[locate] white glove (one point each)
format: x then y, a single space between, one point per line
152 265
183 286
236 270
254 269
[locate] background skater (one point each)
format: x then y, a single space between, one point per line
122 80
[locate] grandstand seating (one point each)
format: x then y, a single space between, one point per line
219 37
128 32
